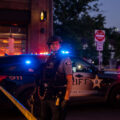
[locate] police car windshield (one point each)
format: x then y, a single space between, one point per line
80 65
80 60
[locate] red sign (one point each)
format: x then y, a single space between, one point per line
99 35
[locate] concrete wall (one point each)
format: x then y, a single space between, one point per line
38 31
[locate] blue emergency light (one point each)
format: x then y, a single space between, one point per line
27 62
65 52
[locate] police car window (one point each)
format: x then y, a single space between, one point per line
79 65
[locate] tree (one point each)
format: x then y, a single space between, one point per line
113 38
74 23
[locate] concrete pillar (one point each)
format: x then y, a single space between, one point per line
40 31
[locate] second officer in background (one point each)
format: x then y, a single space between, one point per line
56 82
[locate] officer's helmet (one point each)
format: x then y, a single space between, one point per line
54 39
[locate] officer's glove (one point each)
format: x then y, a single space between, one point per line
64 103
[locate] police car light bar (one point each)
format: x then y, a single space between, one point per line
28 62
44 53
41 53
65 52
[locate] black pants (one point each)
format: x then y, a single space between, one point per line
49 111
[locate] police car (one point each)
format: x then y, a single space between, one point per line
88 82
16 75
91 84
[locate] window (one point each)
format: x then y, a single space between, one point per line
80 65
12 40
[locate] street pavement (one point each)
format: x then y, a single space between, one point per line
93 111
79 111
11 114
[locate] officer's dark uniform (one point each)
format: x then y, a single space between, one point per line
54 85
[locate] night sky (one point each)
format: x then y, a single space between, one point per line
111 9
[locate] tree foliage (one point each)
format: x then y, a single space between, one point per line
113 38
75 24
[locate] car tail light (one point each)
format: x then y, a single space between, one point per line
2 77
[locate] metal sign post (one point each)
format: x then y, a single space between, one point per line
100 59
99 39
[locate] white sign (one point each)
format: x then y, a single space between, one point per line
99 35
99 46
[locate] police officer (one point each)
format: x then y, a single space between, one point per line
56 82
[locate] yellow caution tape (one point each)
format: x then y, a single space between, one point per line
23 110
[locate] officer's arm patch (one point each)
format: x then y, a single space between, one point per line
68 63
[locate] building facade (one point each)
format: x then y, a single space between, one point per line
25 26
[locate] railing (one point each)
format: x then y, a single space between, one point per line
23 110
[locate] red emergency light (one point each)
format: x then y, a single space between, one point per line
2 77
44 53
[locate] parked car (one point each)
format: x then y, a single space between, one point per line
88 82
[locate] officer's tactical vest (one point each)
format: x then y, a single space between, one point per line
53 80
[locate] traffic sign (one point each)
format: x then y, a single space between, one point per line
99 46
99 35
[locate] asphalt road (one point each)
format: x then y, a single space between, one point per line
86 111
11 114
8 111
93 111
76 111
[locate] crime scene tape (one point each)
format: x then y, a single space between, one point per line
23 110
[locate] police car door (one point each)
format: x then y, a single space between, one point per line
82 79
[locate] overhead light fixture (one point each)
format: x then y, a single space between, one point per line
43 15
